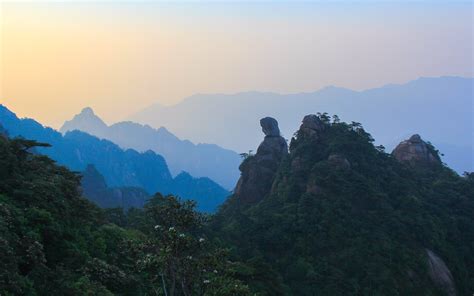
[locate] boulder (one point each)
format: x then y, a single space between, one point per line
415 151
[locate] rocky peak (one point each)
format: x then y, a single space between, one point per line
86 121
258 171
415 151
415 139
311 125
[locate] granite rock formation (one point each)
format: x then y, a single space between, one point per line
311 126
440 274
270 127
258 171
416 151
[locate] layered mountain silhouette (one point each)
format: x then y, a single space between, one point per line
330 214
120 168
201 160
440 109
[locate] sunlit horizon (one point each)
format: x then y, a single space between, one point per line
58 58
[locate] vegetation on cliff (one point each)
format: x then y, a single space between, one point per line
344 217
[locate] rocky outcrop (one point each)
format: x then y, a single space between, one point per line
415 151
310 132
440 274
311 126
258 171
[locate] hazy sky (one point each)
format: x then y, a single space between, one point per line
57 58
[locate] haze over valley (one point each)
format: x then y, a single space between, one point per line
440 108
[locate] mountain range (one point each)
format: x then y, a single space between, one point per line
120 168
201 160
329 214
439 108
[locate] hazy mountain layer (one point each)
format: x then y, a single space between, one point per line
201 160
440 109
120 168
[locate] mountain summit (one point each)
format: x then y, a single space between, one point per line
85 121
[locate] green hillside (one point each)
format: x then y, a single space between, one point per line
55 242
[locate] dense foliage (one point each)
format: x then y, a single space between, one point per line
361 228
55 242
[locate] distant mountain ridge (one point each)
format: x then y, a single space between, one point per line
201 160
439 108
120 168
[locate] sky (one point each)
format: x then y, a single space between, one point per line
120 57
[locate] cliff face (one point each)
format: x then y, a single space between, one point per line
416 151
440 274
258 171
